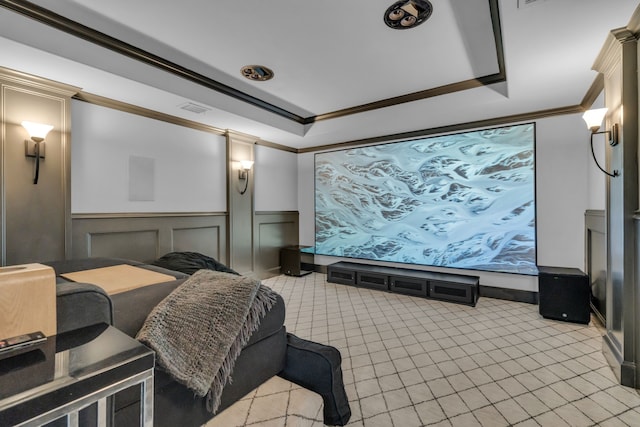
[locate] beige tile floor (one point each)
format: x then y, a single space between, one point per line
411 361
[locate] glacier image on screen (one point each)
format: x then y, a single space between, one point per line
464 200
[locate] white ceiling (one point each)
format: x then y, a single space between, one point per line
328 57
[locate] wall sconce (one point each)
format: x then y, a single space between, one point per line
245 167
38 132
594 118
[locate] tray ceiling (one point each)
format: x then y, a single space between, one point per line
340 72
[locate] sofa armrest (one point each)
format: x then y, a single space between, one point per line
81 304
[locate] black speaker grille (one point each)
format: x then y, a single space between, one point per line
377 280
445 290
407 285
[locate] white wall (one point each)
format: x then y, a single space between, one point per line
563 194
562 155
276 180
190 177
596 180
188 166
306 198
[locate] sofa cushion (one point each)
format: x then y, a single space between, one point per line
270 335
190 262
270 323
73 265
81 304
261 358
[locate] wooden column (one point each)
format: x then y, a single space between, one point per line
36 218
240 206
618 64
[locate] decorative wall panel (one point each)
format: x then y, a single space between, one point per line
596 261
273 230
145 237
241 207
206 240
139 245
35 217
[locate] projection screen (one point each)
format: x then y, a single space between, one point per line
464 200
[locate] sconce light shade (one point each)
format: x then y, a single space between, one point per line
243 173
246 164
594 118
37 131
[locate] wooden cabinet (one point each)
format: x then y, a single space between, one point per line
428 284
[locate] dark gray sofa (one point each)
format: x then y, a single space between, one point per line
80 305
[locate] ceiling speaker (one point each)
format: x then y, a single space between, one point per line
405 14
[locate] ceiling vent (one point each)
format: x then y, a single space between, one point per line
194 108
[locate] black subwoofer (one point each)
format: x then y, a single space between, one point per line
564 294
291 262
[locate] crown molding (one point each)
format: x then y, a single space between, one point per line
59 22
145 112
52 19
574 109
276 146
40 83
593 92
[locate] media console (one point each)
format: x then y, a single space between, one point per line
443 286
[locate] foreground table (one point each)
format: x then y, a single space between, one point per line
71 372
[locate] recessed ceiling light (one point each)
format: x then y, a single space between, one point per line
257 73
405 14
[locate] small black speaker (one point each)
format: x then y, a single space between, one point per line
291 261
564 294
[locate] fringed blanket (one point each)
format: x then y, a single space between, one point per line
198 330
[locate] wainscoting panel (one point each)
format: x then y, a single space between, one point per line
145 237
138 245
206 240
596 261
272 231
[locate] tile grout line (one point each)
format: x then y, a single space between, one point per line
406 312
